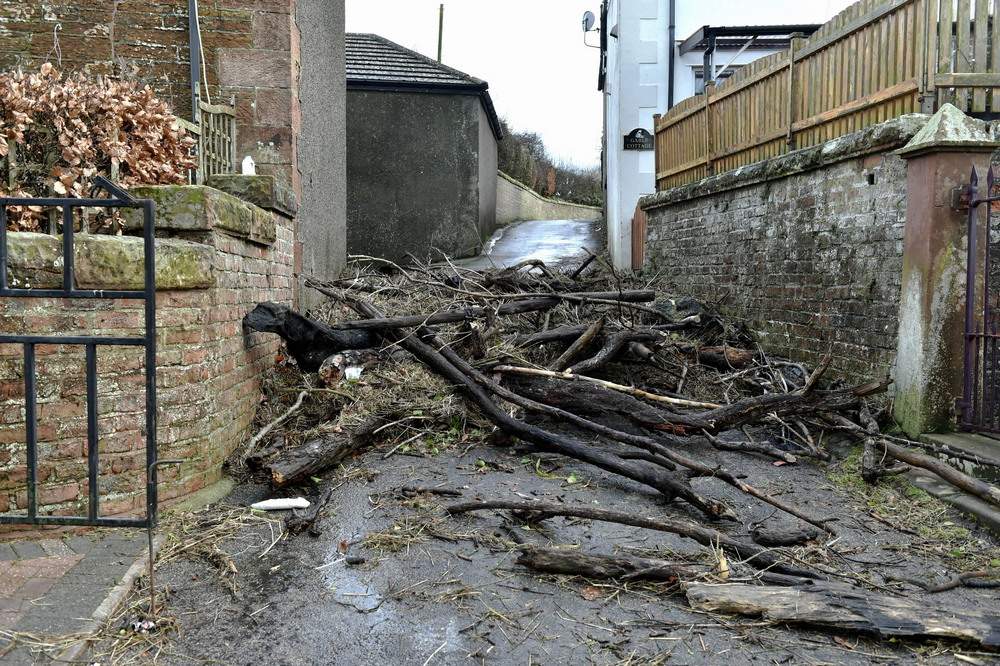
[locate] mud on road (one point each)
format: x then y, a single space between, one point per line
393 579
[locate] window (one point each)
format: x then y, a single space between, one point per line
699 77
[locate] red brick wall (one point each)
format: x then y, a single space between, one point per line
208 380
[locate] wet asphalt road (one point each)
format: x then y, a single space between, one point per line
555 242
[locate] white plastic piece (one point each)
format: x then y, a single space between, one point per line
281 503
353 372
249 167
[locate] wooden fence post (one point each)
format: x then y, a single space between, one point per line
656 151
928 55
798 39
709 127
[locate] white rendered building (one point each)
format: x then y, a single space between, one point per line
653 56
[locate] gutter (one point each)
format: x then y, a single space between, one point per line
482 90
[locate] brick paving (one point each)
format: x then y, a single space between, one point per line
53 587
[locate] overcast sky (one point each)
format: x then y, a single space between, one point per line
542 77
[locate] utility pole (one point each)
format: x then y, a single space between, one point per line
440 30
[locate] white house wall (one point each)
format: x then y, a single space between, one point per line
636 83
636 87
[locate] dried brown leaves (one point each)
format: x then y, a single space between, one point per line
57 133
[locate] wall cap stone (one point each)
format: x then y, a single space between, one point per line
107 262
263 191
875 139
950 128
201 208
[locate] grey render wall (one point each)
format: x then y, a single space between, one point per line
412 174
806 248
516 203
322 150
487 176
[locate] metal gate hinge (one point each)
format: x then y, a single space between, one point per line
960 197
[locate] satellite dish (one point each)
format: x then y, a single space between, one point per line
588 21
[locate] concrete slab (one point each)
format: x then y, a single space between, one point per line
973 444
983 446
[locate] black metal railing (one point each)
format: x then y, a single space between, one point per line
980 402
117 198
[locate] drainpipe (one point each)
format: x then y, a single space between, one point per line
194 51
708 64
670 54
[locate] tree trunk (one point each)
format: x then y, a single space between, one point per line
319 454
573 563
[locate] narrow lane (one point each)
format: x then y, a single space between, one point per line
555 242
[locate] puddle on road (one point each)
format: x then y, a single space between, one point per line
347 588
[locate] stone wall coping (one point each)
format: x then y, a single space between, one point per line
879 138
950 129
107 262
201 208
263 191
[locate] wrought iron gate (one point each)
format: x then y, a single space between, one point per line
117 198
980 402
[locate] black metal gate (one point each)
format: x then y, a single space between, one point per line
117 198
980 402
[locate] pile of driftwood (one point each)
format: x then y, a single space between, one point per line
561 361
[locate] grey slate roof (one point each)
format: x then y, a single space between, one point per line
375 63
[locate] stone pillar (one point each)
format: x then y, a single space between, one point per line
930 351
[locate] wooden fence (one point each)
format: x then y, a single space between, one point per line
216 135
876 60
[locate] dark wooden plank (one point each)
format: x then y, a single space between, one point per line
843 606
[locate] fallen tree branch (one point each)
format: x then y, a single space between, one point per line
534 304
757 557
320 453
296 523
596 565
532 263
612 345
254 441
750 447
801 401
581 267
630 390
578 346
940 449
648 444
719 417
950 584
961 480
652 477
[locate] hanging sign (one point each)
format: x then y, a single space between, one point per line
639 139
